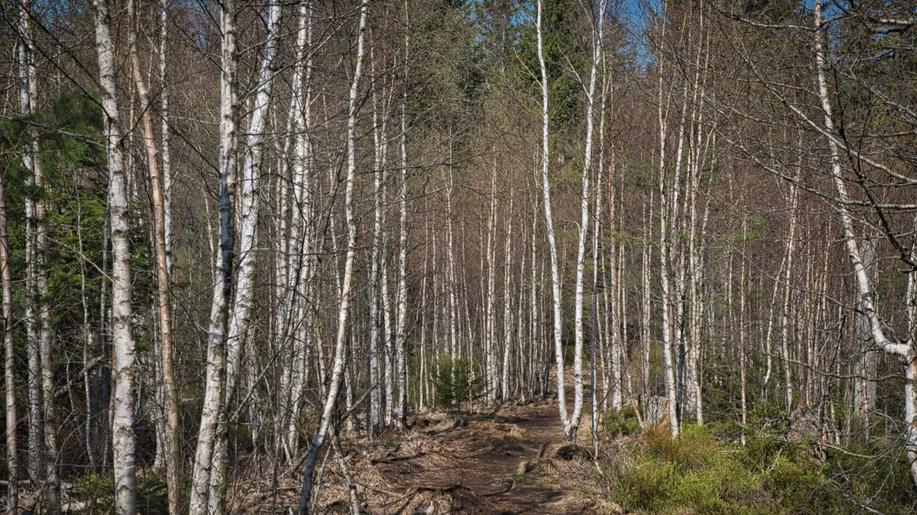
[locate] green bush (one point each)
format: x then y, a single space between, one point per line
621 423
96 491
877 472
701 472
643 485
800 486
453 383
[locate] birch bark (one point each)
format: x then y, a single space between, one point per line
123 444
549 228
571 427
42 435
344 310
401 292
248 238
664 264
9 361
507 301
163 280
903 350
222 287
490 350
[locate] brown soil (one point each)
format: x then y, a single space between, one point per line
488 454
462 463
512 461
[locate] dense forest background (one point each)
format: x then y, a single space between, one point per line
238 237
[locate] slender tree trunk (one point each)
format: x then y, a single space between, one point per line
864 390
389 369
305 243
743 328
534 336
343 311
571 428
787 292
904 351
222 287
166 129
122 338
520 372
664 266
549 228
9 361
42 432
490 343
695 283
375 314
768 368
402 293
646 329
163 283
450 262
248 240
507 301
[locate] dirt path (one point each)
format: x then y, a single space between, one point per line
478 463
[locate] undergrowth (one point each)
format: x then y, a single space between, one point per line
95 494
706 471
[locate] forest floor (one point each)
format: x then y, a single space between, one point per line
513 460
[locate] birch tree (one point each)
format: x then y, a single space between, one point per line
248 237
42 431
571 427
123 443
163 278
568 422
401 292
904 351
9 360
337 369
222 284
665 256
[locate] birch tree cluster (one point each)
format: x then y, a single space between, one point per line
240 238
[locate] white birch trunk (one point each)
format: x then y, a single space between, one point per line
122 338
450 264
571 428
170 435
303 235
344 310
645 304
222 287
490 351
166 130
9 362
42 435
787 291
375 314
401 292
248 238
864 390
507 301
549 228
387 343
664 265
904 351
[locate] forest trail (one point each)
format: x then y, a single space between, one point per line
474 463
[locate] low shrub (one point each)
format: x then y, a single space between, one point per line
623 422
94 493
454 385
703 472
